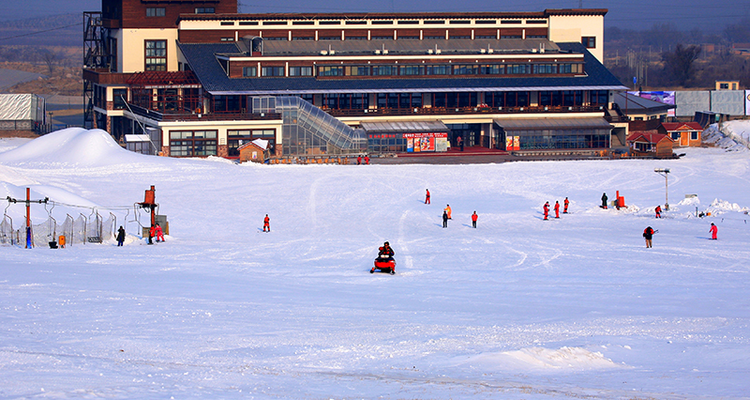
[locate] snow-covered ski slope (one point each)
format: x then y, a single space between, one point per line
519 308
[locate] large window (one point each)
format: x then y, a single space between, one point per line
192 143
156 55
589 42
272 71
237 138
156 12
249 72
300 71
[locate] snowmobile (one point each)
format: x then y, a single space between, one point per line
384 265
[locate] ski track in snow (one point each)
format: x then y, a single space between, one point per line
518 308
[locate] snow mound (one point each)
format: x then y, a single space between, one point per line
719 206
72 146
733 135
541 359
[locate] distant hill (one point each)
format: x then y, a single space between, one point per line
56 30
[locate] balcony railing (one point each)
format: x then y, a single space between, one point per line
461 110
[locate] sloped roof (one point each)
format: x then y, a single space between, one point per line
204 64
649 137
632 104
681 126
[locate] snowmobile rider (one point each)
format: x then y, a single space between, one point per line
385 252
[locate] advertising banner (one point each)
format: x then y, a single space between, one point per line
512 143
432 141
666 97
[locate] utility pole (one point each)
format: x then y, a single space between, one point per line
664 172
28 201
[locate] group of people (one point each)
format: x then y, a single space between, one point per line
447 212
155 231
545 208
366 160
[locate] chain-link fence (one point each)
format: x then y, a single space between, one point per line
74 230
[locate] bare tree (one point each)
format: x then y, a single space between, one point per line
679 64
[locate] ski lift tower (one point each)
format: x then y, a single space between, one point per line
665 173
149 203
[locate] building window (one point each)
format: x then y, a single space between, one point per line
156 11
192 143
156 55
331 71
471 69
272 71
675 136
205 10
357 70
383 70
119 97
693 135
249 72
438 69
411 70
300 71
589 42
492 69
723 86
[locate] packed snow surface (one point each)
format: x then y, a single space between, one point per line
518 308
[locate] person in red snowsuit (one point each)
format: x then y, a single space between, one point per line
474 218
266 224
359 160
546 210
367 160
557 209
714 231
159 233
151 234
657 210
566 202
427 197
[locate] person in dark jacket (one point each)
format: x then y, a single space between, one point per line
385 252
648 233
445 219
604 201
120 236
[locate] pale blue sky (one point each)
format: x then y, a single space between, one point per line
637 14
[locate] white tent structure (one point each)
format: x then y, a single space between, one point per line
21 111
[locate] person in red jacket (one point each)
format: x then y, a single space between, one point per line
714 231
546 210
566 202
557 209
151 234
266 224
648 234
159 233
474 218
657 211
427 197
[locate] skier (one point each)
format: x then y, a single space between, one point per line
714 230
159 233
557 209
657 210
546 210
151 234
427 197
566 202
385 252
604 201
445 219
266 224
648 233
448 210
120 236
474 218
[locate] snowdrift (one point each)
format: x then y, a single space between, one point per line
71 147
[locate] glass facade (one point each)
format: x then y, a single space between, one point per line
192 143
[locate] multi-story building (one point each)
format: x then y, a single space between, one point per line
201 79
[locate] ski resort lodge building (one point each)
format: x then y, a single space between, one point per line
196 78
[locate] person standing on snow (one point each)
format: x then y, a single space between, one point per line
151 234
604 201
367 160
359 160
448 210
159 233
266 224
546 210
445 219
566 202
657 210
648 233
714 231
474 218
120 236
557 209
427 197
